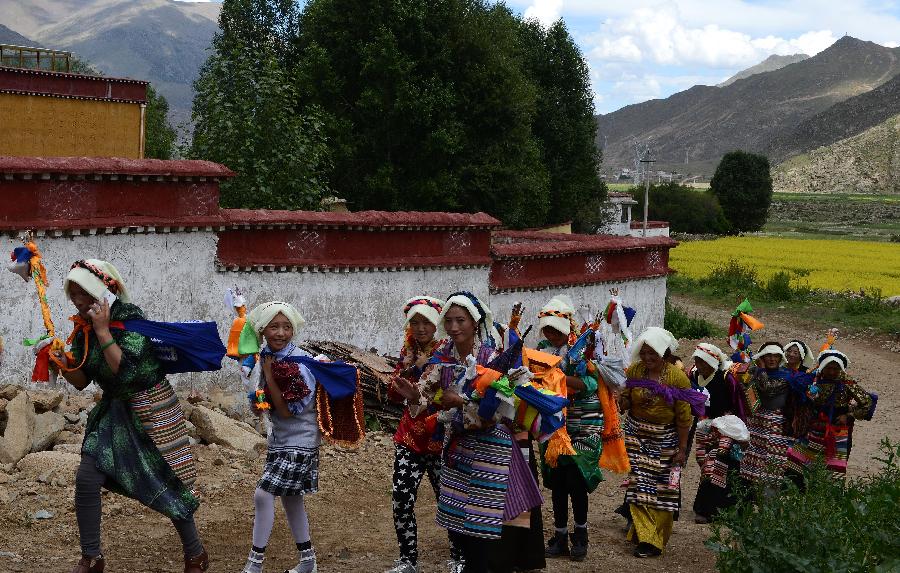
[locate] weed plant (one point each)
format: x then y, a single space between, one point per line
681 325
830 525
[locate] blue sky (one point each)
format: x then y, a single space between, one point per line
645 49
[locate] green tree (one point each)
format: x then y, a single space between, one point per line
159 135
246 115
564 123
427 104
687 210
743 185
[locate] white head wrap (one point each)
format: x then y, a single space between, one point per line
806 357
712 355
549 314
770 349
487 329
426 306
829 356
659 339
93 284
260 317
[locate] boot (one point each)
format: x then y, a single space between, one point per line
306 562
579 544
90 565
254 562
197 564
558 545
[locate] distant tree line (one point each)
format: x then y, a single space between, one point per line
454 105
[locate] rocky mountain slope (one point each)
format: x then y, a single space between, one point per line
770 64
699 125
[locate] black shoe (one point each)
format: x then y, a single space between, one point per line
579 544
647 550
558 546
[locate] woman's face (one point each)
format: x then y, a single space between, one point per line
651 360
554 337
793 357
278 333
459 325
422 329
703 368
81 299
831 371
770 361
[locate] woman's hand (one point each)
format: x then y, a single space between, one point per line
680 457
450 399
99 313
61 357
422 360
406 388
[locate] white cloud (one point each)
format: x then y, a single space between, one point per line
544 11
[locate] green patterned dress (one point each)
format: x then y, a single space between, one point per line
115 435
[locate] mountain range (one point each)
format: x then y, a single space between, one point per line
162 41
770 64
816 101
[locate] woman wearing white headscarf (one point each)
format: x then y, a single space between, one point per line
660 406
122 450
798 356
836 401
711 375
772 403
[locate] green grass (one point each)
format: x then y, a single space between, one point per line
729 283
835 197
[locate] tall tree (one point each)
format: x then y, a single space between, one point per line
159 135
564 122
246 111
743 184
427 106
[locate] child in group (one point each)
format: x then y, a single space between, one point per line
292 461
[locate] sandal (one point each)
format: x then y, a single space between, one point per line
90 564
197 564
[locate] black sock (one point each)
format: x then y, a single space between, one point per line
258 549
304 546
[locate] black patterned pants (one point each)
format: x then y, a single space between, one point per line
409 469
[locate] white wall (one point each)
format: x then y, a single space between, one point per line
173 277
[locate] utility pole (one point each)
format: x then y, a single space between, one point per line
646 160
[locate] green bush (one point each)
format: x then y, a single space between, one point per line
732 277
779 288
831 526
681 325
743 185
865 302
687 210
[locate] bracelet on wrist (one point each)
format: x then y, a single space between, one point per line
107 344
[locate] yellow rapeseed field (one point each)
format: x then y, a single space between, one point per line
833 265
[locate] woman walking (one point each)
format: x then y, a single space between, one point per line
660 407
135 441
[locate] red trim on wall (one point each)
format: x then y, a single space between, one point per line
112 166
364 219
58 84
527 260
345 247
650 224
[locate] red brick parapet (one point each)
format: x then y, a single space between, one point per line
72 86
366 240
530 260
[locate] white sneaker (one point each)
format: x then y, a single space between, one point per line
454 566
401 566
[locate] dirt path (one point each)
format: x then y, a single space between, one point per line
351 515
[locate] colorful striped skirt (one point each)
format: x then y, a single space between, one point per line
474 482
765 458
651 448
163 420
814 446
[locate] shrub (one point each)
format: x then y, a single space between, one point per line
778 287
681 325
732 277
865 302
687 210
832 525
